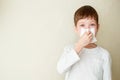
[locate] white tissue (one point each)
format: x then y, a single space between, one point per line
92 30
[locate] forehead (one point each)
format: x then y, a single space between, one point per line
86 20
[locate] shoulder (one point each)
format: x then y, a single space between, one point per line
105 53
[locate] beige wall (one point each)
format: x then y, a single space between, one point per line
34 32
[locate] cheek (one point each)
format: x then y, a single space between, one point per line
96 30
77 30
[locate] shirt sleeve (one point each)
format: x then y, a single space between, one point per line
107 74
68 58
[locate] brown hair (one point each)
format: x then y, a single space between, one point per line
85 12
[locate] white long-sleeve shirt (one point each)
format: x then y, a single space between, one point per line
89 64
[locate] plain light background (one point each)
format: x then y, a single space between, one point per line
33 34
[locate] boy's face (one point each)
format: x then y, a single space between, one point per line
86 23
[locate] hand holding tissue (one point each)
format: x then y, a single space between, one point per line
92 30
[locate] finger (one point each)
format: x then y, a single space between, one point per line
88 32
91 39
90 35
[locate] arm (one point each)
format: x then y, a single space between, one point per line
68 58
107 68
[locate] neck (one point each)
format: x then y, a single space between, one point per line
91 45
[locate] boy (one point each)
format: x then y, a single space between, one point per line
85 60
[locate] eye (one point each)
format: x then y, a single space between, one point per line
82 25
92 24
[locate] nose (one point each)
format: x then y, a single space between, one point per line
87 27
